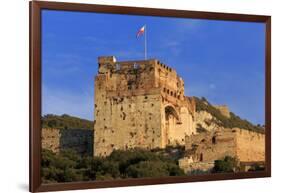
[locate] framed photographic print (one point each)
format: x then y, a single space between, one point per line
123 96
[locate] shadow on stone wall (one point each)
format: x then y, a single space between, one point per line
79 140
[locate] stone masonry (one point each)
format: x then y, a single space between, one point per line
139 104
204 148
79 140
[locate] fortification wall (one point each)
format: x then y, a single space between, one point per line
204 148
79 140
210 146
247 146
250 145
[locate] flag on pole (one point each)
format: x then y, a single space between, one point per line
141 31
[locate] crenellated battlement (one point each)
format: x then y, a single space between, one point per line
111 63
141 75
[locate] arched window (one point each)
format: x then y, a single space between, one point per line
214 140
201 157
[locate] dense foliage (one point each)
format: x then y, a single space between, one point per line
65 121
234 120
228 164
137 163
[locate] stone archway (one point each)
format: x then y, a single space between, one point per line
171 119
170 109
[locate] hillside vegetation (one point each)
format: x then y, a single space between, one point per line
135 163
234 120
65 122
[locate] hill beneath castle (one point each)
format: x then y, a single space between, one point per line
66 122
210 117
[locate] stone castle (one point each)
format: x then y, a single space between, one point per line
139 104
142 104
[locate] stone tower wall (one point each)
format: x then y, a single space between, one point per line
126 123
133 102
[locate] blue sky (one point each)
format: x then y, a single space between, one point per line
220 60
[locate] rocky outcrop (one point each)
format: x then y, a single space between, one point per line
204 120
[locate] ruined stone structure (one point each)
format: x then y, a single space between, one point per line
56 140
139 104
204 148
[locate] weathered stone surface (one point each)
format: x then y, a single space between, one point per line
250 146
206 120
139 104
188 165
79 140
247 146
50 139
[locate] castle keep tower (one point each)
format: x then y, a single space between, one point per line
139 104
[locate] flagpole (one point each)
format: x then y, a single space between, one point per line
145 54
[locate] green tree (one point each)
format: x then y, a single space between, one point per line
68 166
228 164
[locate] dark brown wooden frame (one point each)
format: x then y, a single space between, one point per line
35 93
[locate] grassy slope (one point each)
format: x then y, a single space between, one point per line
65 122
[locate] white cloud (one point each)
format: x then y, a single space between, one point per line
212 86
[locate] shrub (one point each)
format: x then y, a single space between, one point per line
69 166
65 121
198 172
256 167
228 164
146 169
